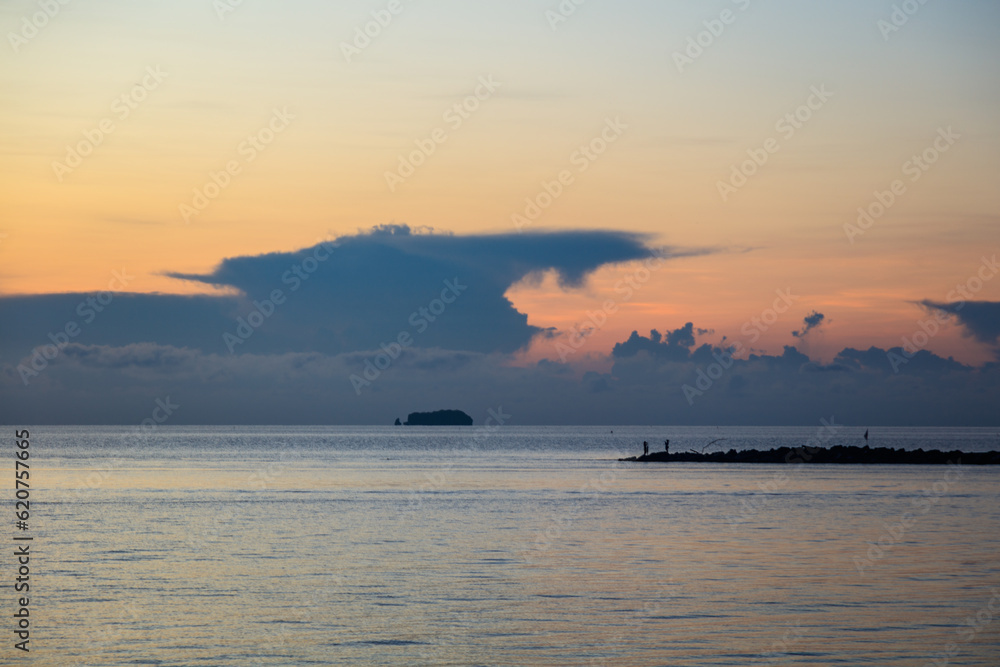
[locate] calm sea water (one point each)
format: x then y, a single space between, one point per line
526 546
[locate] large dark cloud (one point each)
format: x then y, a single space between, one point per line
302 365
981 319
356 294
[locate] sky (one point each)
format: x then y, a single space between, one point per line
727 212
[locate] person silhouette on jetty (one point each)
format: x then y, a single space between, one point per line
645 448
666 446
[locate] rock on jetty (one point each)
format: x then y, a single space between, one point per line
838 454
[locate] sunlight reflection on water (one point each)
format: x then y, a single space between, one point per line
371 546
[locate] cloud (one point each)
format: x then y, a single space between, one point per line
897 360
709 385
90 384
676 345
444 291
345 303
401 255
809 323
981 319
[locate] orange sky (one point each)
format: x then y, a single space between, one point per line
555 91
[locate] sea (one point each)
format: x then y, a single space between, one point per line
512 545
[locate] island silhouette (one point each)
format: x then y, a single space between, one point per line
438 418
